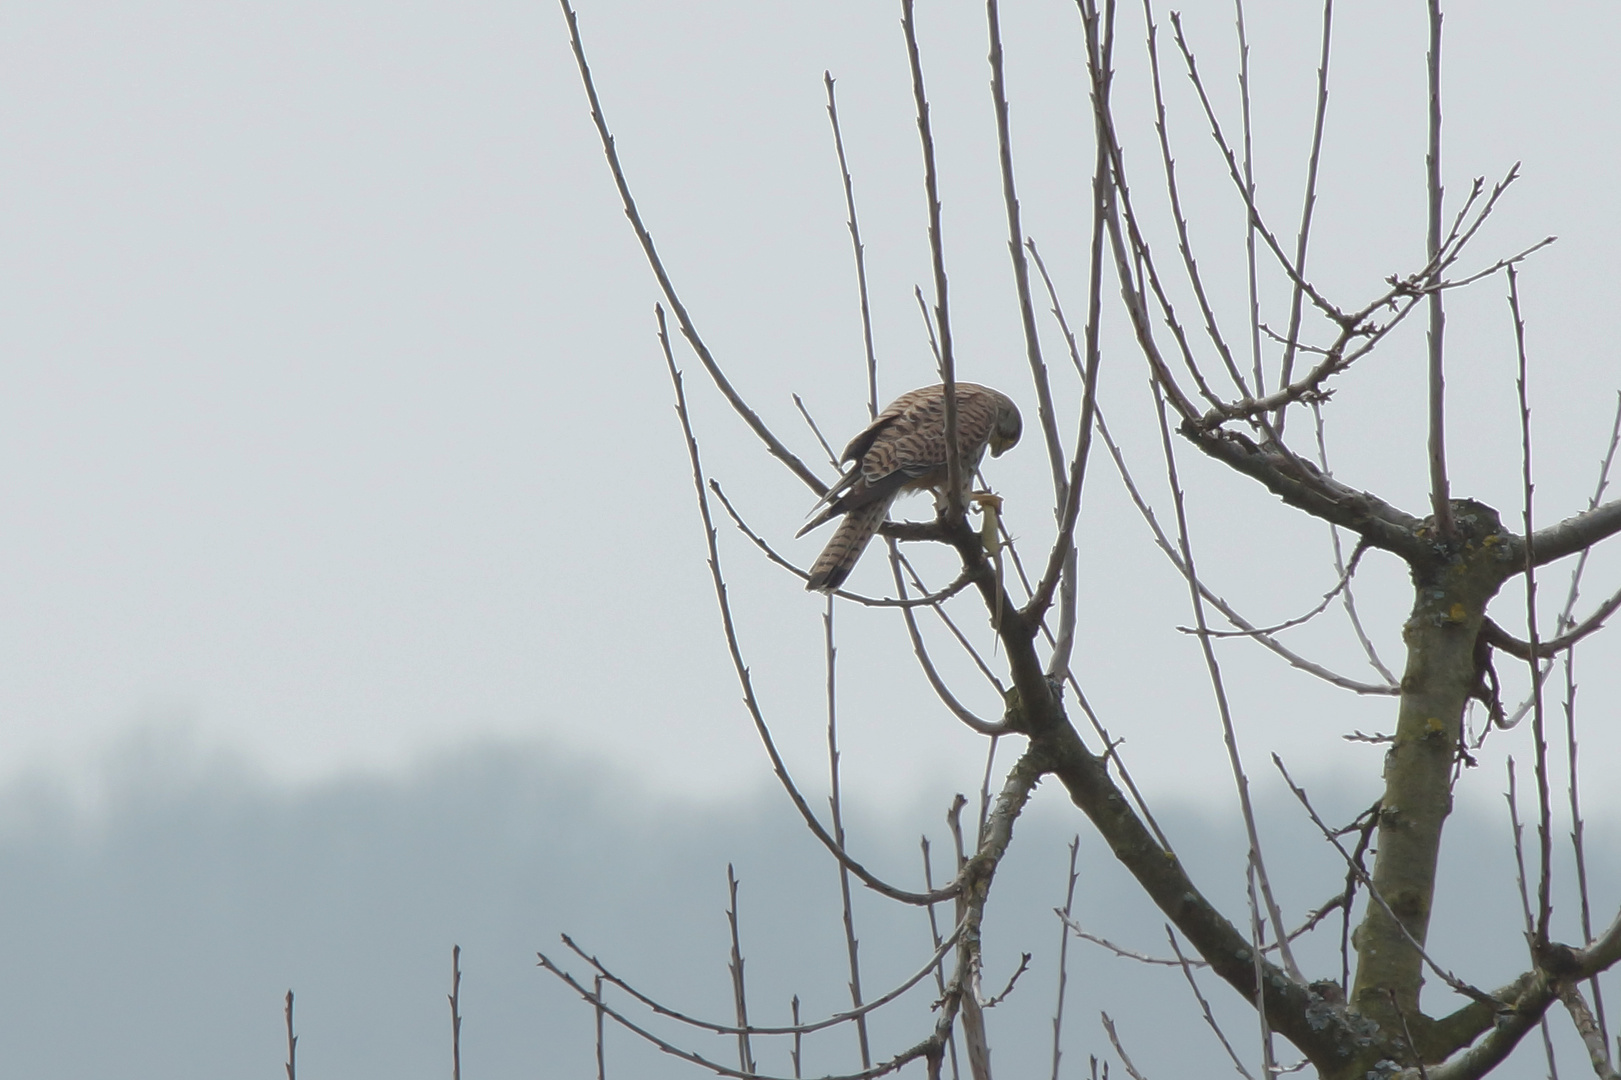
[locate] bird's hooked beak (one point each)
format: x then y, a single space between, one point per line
1009 426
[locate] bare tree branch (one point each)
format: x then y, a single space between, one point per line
942 310
1576 533
941 690
1063 953
1440 495
1291 345
1204 1006
1472 992
1184 245
860 251
1513 797
1114 1040
1598 1048
922 1049
1539 739
735 650
1298 620
845 1017
1218 687
929 600
1327 308
1021 269
1502 639
1339 559
745 1053
835 806
688 330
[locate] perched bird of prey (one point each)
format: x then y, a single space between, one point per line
904 450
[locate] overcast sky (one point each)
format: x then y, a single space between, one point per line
335 441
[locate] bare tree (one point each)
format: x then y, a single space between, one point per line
1367 1019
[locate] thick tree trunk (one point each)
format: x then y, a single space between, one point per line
1450 597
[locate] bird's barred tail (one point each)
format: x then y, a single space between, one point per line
849 540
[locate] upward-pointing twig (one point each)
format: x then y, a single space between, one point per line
1309 203
745 1054
942 310
1440 498
1538 729
1021 268
860 251
292 1041
835 801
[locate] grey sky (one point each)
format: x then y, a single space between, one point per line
334 427
334 437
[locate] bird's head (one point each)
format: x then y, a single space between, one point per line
1008 427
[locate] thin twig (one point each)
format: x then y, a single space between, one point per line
602 1055
1233 171
1114 1040
1269 1061
1125 954
1204 1006
834 801
855 242
942 310
456 1017
929 600
956 631
1472 992
1021 269
1355 873
1513 797
832 457
1440 498
939 966
1328 598
1189 263
942 946
1577 832
1593 502
736 652
688 330
1291 346
985 791
1064 915
941 690
1407 1032
1163 542
292 1041
1135 282
997 999
1219 689
912 1053
1339 559
1249 220
745 1053
793 1055
1538 730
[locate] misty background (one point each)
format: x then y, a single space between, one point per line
159 940
352 599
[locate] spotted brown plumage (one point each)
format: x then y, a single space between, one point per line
904 450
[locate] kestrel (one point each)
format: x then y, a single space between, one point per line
904 450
